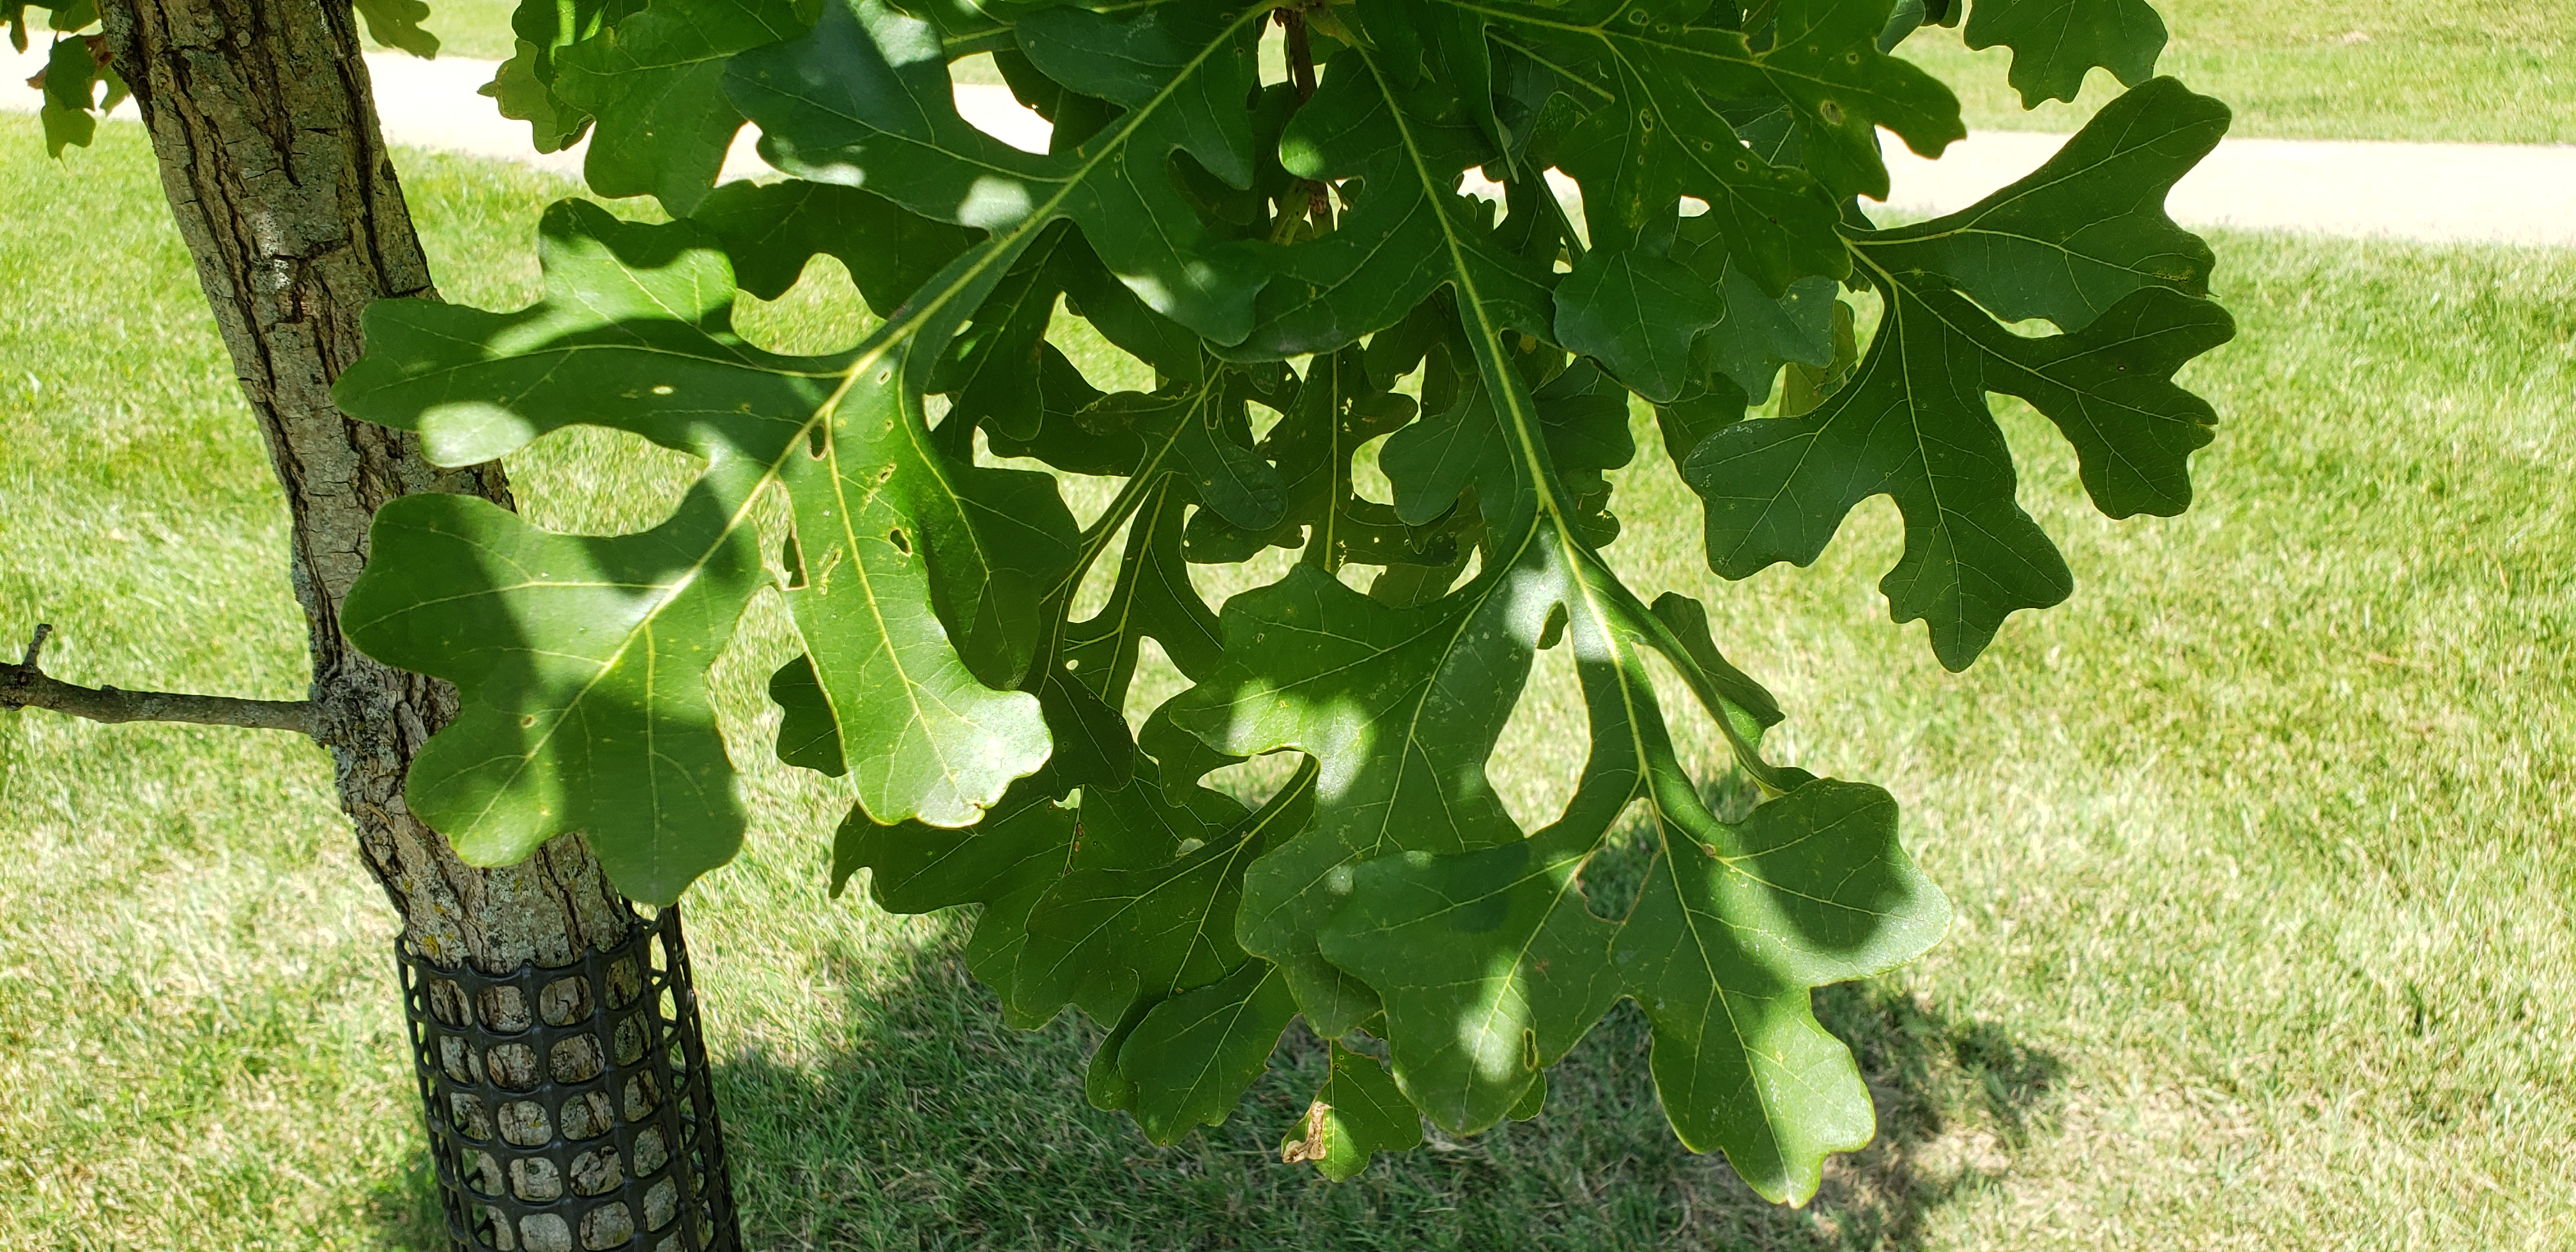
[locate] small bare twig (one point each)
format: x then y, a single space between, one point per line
25 686
1301 53
1301 72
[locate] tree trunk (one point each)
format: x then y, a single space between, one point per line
261 118
265 129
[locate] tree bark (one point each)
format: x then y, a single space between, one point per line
278 176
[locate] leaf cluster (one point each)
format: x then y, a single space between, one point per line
1354 260
78 83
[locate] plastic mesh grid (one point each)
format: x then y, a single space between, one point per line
568 1107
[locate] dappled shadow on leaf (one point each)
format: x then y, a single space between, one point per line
921 1119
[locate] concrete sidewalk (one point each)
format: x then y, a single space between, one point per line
2432 192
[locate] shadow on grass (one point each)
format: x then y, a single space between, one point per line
936 1125
403 1208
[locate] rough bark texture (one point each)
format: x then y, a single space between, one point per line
285 194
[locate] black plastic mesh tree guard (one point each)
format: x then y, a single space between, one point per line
568 1107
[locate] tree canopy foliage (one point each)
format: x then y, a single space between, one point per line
1356 246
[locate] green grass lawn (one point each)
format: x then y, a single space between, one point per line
2472 71
2480 71
473 28
2259 845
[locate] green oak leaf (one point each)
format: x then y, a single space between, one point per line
899 551
522 89
655 82
1655 135
65 113
1638 314
1003 863
1910 16
996 369
1424 42
1118 903
396 24
1356 1114
1583 418
524 86
1409 233
865 100
1913 421
2088 227
1004 376
1302 269
1151 599
1492 966
1103 1085
1436 460
1150 913
72 103
1823 62
1746 706
1338 407
1082 669
1211 445
770 230
581 664
1190 1058
1399 707
912 658
1736 362
1757 332
2056 42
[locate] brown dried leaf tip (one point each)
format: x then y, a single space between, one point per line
1313 1146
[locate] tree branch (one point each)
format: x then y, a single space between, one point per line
25 686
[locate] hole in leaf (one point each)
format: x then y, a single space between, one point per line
1217 583
820 313
1105 365
1156 680
902 543
1545 741
1274 54
1255 781
1356 576
590 480
1261 418
1086 496
1102 578
1369 482
988 105
1467 574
